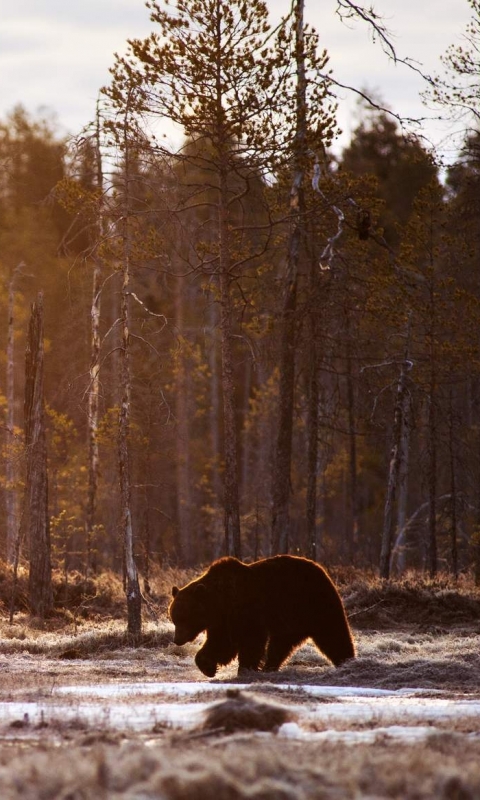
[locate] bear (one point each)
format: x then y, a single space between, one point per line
261 612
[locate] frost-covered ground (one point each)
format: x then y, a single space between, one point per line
400 721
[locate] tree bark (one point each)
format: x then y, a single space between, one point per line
432 453
400 559
11 471
281 479
215 438
36 519
182 394
351 532
132 588
94 387
395 463
453 487
231 476
312 414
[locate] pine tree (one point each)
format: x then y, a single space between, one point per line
210 70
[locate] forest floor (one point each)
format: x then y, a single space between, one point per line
84 716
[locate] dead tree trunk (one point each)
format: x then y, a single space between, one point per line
11 471
399 549
395 463
312 455
281 479
453 486
231 477
432 457
215 438
351 533
132 588
313 395
94 387
182 396
36 520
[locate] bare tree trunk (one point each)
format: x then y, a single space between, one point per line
11 471
281 479
395 462
36 519
352 497
184 502
231 477
134 601
94 387
432 469
403 489
453 487
215 431
312 457
312 417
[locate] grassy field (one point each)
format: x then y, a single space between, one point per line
84 716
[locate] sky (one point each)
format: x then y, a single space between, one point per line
56 54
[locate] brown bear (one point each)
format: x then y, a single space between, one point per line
261 612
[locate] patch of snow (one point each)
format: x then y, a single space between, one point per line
401 733
118 716
106 690
402 714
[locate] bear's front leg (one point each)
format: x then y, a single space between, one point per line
219 649
205 663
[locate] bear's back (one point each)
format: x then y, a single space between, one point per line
292 585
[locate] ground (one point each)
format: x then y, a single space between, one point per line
84 716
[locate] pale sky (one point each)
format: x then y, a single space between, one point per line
56 53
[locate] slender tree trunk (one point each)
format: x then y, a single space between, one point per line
281 479
132 587
11 471
312 456
395 463
36 519
182 393
312 416
453 487
403 488
94 387
215 416
246 450
432 467
230 454
231 476
93 411
352 498
432 490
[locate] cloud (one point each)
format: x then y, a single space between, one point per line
84 14
57 53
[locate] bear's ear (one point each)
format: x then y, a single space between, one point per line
200 588
175 591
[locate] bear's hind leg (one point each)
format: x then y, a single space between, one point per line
280 647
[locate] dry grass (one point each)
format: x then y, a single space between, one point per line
78 598
238 767
242 712
411 601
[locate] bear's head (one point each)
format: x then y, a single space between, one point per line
189 612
